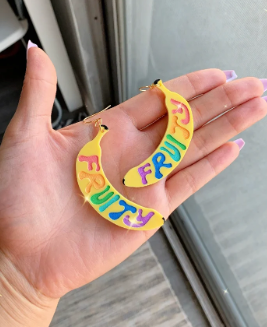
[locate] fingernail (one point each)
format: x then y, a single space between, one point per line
241 143
31 45
265 98
264 82
230 75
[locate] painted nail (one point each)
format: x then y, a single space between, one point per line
240 142
230 75
31 45
264 82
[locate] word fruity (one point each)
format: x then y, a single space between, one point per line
104 198
172 147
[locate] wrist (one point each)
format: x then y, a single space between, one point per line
20 303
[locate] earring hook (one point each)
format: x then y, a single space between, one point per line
146 87
98 121
149 87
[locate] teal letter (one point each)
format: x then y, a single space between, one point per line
109 203
181 145
176 156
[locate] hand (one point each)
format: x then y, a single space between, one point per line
54 240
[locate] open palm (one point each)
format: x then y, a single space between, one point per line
57 241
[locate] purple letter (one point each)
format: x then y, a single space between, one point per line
143 220
143 173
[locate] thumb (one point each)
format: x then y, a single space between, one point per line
38 92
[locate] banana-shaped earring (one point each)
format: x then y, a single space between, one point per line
172 147
102 196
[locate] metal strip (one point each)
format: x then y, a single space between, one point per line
191 275
122 47
117 49
214 283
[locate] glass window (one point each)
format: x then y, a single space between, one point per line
165 39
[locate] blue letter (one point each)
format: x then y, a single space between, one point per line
127 207
159 163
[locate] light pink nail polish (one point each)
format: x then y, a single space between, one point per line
230 75
240 142
264 82
31 45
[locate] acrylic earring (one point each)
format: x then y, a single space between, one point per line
173 145
102 196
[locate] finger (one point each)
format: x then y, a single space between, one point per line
223 98
211 136
147 107
38 93
189 180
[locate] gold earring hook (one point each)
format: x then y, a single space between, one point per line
146 87
149 87
98 121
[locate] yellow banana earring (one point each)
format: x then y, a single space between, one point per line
102 196
173 145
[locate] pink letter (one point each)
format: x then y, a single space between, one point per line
90 160
180 109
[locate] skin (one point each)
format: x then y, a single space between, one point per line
51 242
